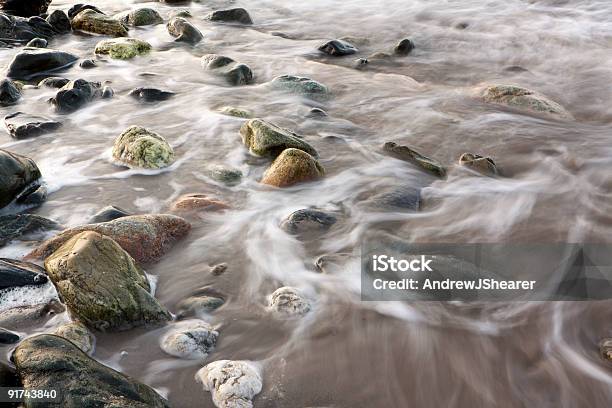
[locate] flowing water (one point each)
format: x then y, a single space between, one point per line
557 187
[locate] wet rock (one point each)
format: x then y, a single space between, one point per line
102 285
53 82
77 8
24 226
197 202
235 112
190 340
288 302
8 378
145 237
75 95
316 113
91 21
234 72
18 30
140 17
225 175
404 47
481 164
10 93
181 13
60 22
605 349
107 92
78 334
218 269
523 99
332 263
19 178
21 125
25 317
31 62
198 305
307 220
88 64
15 273
397 198
264 138
409 155
150 94
52 362
184 31
123 48
38 43
234 15
232 384
139 147
338 48
109 213
292 166
8 337
24 8
299 85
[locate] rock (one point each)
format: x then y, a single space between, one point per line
107 92
92 21
24 8
139 147
140 17
77 8
338 48
397 198
232 384
78 334
198 305
316 113
225 175
109 213
150 94
288 302
409 155
8 378
306 221
53 82
15 273
38 43
292 166
31 316
264 138
218 269
524 99
8 337
31 62
10 93
88 64
481 164
21 125
605 349
52 362
145 237
19 178
404 47
235 112
102 285
299 85
184 31
123 48
24 226
181 13
60 22
190 340
234 15
18 30
197 202
75 95
234 72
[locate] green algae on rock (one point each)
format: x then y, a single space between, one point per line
139 147
123 48
300 85
264 138
293 166
140 17
91 21
235 112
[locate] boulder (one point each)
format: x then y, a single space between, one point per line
78 334
235 112
19 178
234 15
24 8
292 166
197 202
24 226
14 273
288 302
150 94
53 82
18 30
299 85
481 164
88 64
60 22
264 138
409 155
404 47
109 213
31 62
198 305
193 339
145 237
184 31
102 285
77 8
123 48
306 221
37 43
226 175
21 125
91 21
75 95
25 318
523 99
140 17
52 362
140 147
8 337
10 92
232 384
396 199
338 48
234 72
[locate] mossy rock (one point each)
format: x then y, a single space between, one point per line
407 154
140 17
293 166
235 112
223 174
123 48
524 99
481 164
78 334
94 22
139 147
300 85
264 138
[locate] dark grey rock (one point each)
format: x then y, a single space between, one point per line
234 72
9 93
21 125
15 273
19 176
59 21
108 213
150 94
38 43
8 378
24 8
307 220
53 82
234 15
107 92
8 337
317 113
75 94
20 226
77 8
398 198
31 62
198 305
184 31
18 30
338 48
88 64
404 47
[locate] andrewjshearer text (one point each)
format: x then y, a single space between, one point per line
448 284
